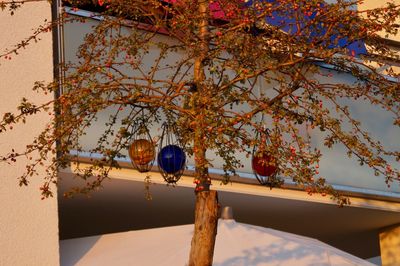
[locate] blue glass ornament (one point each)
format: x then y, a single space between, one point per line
171 159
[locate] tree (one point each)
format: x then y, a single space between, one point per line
211 92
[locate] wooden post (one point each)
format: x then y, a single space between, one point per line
205 229
389 240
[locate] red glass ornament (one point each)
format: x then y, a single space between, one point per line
264 164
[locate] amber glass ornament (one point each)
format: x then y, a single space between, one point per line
142 152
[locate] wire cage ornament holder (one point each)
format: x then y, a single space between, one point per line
142 151
264 165
171 158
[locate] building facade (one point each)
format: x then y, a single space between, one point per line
28 225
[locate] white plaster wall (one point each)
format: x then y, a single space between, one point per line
370 4
28 225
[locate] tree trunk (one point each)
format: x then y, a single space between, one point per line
205 229
206 212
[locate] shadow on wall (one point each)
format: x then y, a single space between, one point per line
71 256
